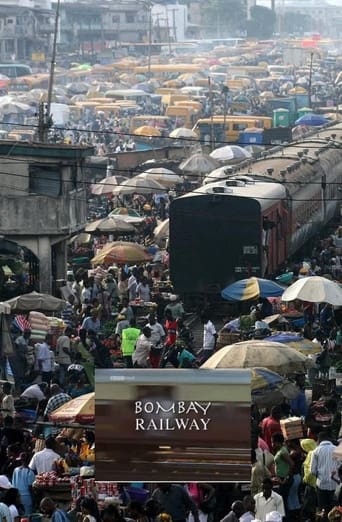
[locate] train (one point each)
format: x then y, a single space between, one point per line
173 425
260 215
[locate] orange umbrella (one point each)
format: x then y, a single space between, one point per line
81 410
122 252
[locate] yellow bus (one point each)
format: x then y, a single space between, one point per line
253 71
148 119
168 70
228 130
182 115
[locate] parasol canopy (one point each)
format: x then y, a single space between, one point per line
147 131
35 301
263 379
183 132
298 342
121 252
125 211
198 163
315 289
166 180
110 224
106 185
251 288
140 186
313 120
249 354
230 152
80 410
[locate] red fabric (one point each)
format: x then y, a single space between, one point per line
171 332
269 426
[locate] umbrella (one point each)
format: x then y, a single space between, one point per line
122 252
105 186
14 107
82 239
230 152
262 379
299 343
80 410
140 186
125 211
315 289
182 132
77 88
199 163
110 224
162 230
35 301
312 119
159 170
167 180
249 354
147 130
255 150
251 288
299 131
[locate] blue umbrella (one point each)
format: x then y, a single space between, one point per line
251 288
313 119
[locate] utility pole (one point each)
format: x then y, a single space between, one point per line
310 79
149 38
45 118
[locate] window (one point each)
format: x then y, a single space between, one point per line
130 18
239 126
116 19
45 181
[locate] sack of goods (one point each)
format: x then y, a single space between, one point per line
292 428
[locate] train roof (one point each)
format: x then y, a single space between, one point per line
300 161
265 192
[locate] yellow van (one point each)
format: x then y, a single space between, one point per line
228 129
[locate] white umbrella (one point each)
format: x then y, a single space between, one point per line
162 230
230 152
315 289
110 224
183 132
14 107
106 185
198 163
140 186
167 180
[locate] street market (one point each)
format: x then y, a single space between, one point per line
196 239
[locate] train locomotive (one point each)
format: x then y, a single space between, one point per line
251 222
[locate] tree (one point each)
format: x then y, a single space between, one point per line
224 17
262 22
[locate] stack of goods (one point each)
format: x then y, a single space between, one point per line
40 326
56 329
106 490
292 428
82 487
51 479
22 323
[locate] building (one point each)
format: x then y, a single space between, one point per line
24 30
42 203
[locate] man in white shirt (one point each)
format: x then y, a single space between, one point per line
43 461
45 357
209 336
268 501
141 354
7 405
157 338
35 392
323 466
63 354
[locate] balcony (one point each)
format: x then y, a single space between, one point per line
45 28
16 31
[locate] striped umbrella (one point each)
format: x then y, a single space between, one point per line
264 379
251 288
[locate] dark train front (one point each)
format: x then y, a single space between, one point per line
223 232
